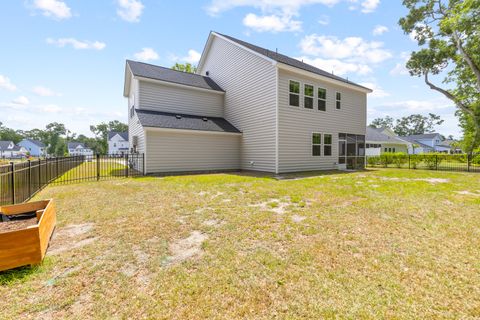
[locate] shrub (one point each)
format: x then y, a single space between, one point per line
373 160
399 159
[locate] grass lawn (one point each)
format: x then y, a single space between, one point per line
383 243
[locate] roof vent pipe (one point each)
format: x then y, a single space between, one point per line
178 116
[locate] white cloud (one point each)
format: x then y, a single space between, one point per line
22 100
5 83
77 44
369 5
53 8
130 10
420 105
272 23
44 92
50 108
339 67
353 49
400 69
379 30
193 57
378 91
147 54
324 20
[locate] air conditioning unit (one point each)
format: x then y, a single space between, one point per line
135 141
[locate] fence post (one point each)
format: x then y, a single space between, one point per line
468 162
29 178
143 164
126 164
436 162
98 166
56 167
12 180
39 174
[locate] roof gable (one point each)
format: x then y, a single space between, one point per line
6 145
123 135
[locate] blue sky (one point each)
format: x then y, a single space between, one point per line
63 60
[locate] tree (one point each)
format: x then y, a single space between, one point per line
187 67
448 33
101 133
386 122
416 124
55 132
9 134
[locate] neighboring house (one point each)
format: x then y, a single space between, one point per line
34 147
8 149
428 142
246 108
117 143
78 149
451 146
380 140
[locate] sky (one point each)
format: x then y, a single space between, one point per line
64 60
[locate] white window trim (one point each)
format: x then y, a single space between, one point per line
331 145
337 100
318 98
316 144
305 96
299 93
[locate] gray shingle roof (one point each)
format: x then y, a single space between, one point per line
36 142
290 61
412 139
375 134
4 145
151 71
422 136
159 119
73 145
124 135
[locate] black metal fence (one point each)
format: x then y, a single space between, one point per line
20 181
443 162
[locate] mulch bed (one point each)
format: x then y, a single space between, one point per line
17 224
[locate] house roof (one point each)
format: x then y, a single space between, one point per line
4 145
157 119
413 140
151 71
376 135
421 136
36 142
112 134
17 148
290 61
74 145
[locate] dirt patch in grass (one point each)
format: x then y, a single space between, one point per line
468 193
212 223
187 248
429 180
296 218
71 237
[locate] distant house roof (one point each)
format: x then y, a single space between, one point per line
157 119
151 71
412 139
290 61
112 134
74 145
4 145
421 136
36 142
377 135
17 148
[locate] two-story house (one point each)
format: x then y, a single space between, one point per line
425 143
34 147
117 143
78 149
246 108
9 150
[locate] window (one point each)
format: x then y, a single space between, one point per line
393 149
339 100
327 144
294 97
132 111
316 144
115 145
322 99
308 96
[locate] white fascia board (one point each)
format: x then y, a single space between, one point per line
322 78
191 131
173 84
127 80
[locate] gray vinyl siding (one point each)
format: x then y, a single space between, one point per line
175 99
196 151
250 100
134 126
296 124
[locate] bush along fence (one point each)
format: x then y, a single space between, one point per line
22 180
428 161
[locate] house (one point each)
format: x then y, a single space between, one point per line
78 149
9 150
246 108
380 140
34 147
117 143
426 143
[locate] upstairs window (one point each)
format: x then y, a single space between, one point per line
339 100
132 111
294 96
322 99
316 144
308 96
327 144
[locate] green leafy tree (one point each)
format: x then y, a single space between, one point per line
187 67
449 37
417 124
10 134
56 132
386 122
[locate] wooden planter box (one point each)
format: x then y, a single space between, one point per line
27 246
